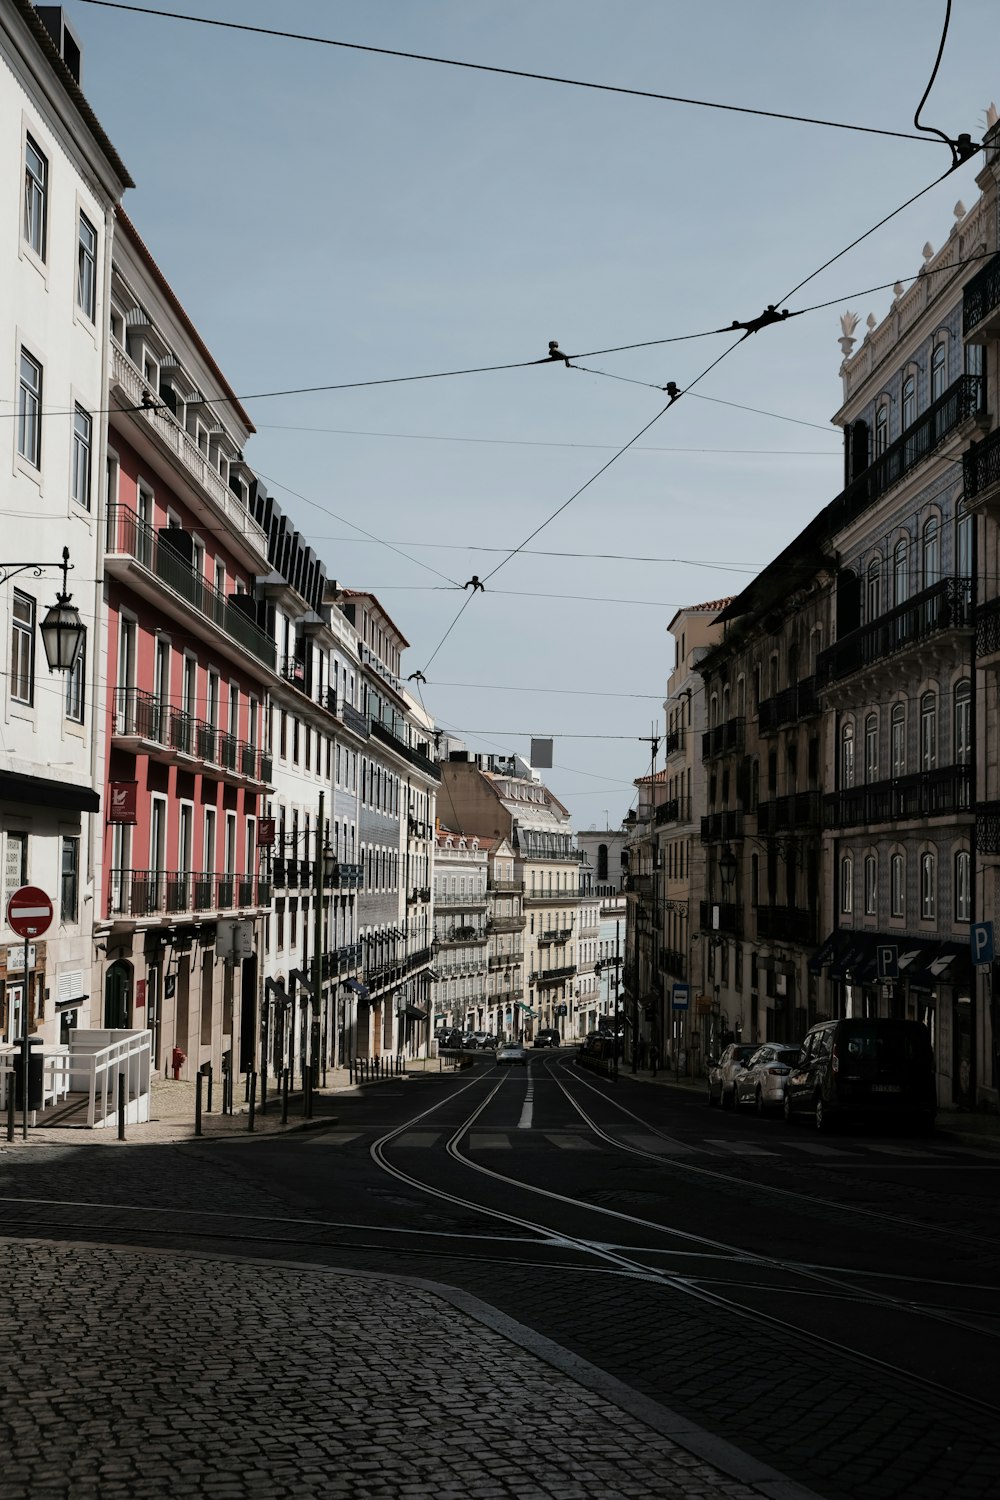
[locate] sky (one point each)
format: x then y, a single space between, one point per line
331 216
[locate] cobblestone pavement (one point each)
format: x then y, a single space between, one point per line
142 1373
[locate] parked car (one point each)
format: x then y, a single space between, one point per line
469 1041
451 1041
547 1037
722 1072
873 1068
485 1039
512 1053
762 1081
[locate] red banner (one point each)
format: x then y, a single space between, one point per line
265 832
140 993
122 800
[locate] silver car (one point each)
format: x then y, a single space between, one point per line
722 1072
762 1081
513 1052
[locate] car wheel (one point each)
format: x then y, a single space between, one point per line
822 1123
727 1100
786 1110
736 1097
760 1103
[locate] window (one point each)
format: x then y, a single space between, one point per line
22 649
938 371
931 552
881 429
847 756
901 572
75 687
70 889
909 409
871 884
928 885
847 885
86 269
871 748
897 886
29 411
83 431
898 738
963 886
36 189
928 732
963 541
874 588
963 722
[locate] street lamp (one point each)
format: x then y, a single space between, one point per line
727 866
62 630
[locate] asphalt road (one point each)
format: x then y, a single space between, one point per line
827 1304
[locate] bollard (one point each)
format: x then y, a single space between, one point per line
246 1089
263 1087
198 1080
252 1097
210 1077
307 1093
10 1106
284 1096
121 1106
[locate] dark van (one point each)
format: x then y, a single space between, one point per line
871 1068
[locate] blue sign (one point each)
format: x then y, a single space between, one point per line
981 937
681 996
888 961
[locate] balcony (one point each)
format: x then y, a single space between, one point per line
505 924
722 825
677 810
981 304
981 471
944 606
723 739
963 399
144 723
156 893
945 792
505 887
544 977
447 901
730 918
419 893
674 742
505 960
418 829
788 707
798 810
446 966
342 961
415 757
673 963
156 561
787 924
347 877
550 897
988 828
357 722
554 935
455 936
294 671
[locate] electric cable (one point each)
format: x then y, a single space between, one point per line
451 62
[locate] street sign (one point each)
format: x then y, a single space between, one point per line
981 937
29 912
887 956
681 997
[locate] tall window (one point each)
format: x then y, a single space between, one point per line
29 410
963 886
83 430
963 541
897 886
901 572
881 429
75 687
874 589
928 732
36 190
938 371
86 269
909 408
871 748
963 722
70 888
871 884
931 552
847 885
22 649
898 740
928 885
847 756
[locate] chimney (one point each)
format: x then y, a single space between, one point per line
53 18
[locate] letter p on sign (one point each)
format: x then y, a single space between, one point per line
981 937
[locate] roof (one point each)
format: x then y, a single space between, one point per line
658 777
711 607
229 397
39 31
367 594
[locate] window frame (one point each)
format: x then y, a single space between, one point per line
928 886
22 639
69 880
847 884
963 886
86 256
81 464
36 197
75 700
29 409
871 885
897 884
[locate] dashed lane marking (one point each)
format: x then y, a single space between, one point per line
662 1145
740 1148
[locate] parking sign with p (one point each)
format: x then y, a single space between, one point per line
981 938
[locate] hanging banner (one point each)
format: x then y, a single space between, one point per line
123 801
265 833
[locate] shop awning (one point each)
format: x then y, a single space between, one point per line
526 1008
361 990
276 990
925 964
45 792
301 978
414 1013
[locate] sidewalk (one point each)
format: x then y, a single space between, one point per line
153 1373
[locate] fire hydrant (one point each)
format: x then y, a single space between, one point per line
177 1061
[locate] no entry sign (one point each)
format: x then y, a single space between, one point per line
29 912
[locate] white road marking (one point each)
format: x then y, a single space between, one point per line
482 1140
571 1142
524 1123
740 1148
661 1144
901 1151
418 1139
815 1148
332 1138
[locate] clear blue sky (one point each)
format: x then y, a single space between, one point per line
334 216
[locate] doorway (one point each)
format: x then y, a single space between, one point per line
117 995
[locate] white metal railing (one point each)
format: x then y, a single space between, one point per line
55 1072
95 1061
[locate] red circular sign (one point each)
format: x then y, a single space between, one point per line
29 912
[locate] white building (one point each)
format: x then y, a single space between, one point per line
60 179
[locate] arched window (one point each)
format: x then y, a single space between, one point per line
963 886
871 884
881 429
938 371
846 885
928 731
871 748
897 886
898 740
963 722
847 756
874 593
602 861
928 885
909 407
930 546
963 540
901 572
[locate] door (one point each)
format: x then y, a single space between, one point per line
963 1052
117 996
15 1011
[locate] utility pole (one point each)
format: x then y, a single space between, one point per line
618 928
319 887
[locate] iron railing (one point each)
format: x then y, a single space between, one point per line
981 295
730 918
677 810
945 605
723 738
141 715
790 706
722 825
673 963
981 465
798 810
415 757
924 794
543 977
786 924
151 893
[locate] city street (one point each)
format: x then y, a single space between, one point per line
825 1306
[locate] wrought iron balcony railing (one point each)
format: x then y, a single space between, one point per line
677 810
945 605
981 466
723 739
981 295
940 793
722 825
790 706
730 918
544 977
141 715
673 963
153 893
798 810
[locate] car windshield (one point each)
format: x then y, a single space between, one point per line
886 1041
787 1055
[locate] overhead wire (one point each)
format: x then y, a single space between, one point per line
451 62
